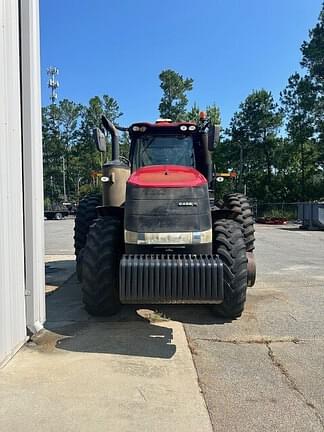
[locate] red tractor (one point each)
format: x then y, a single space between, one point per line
156 236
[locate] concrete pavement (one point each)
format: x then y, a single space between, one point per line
131 372
59 237
263 372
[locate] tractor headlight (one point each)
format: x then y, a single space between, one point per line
206 236
168 238
131 237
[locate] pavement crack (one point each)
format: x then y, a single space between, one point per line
292 316
262 340
193 354
292 383
142 394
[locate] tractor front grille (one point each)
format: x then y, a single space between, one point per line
171 279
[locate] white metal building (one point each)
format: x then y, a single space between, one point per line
22 297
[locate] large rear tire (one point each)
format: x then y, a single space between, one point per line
78 266
239 203
100 267
85 215
228 243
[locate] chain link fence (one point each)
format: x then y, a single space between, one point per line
275 210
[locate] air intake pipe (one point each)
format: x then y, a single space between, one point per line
110 127
206 159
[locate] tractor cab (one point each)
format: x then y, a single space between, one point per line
162 143
174 143
165 143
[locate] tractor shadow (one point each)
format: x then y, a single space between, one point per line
137 330
56 273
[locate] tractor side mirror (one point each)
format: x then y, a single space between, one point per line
213 136
100 140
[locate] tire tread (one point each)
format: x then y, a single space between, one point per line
100 267
86 214
228 243
239 203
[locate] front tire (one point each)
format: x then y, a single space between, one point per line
100 267
228 243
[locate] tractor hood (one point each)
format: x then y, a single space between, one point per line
167 176
167 209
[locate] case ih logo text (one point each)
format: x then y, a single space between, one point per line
187 204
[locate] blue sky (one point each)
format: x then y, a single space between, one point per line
229 48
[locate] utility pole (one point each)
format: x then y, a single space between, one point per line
78 186
52 191
64 186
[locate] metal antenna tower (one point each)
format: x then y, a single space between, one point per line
53 84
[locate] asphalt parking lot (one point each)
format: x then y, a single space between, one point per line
264 371
59 236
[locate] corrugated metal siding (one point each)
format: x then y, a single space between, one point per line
12 285
33 165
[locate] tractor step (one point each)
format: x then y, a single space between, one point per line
171 279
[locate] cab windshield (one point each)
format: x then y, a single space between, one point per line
163 150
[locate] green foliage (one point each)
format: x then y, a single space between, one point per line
280 213
89 188
274 167
289 167
298 100
68 132
193 114
303 104
213 114
60 136
313 61
174 100
253 140
313 50
124 145
47 203
91 118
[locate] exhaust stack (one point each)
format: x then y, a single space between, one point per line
110 127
